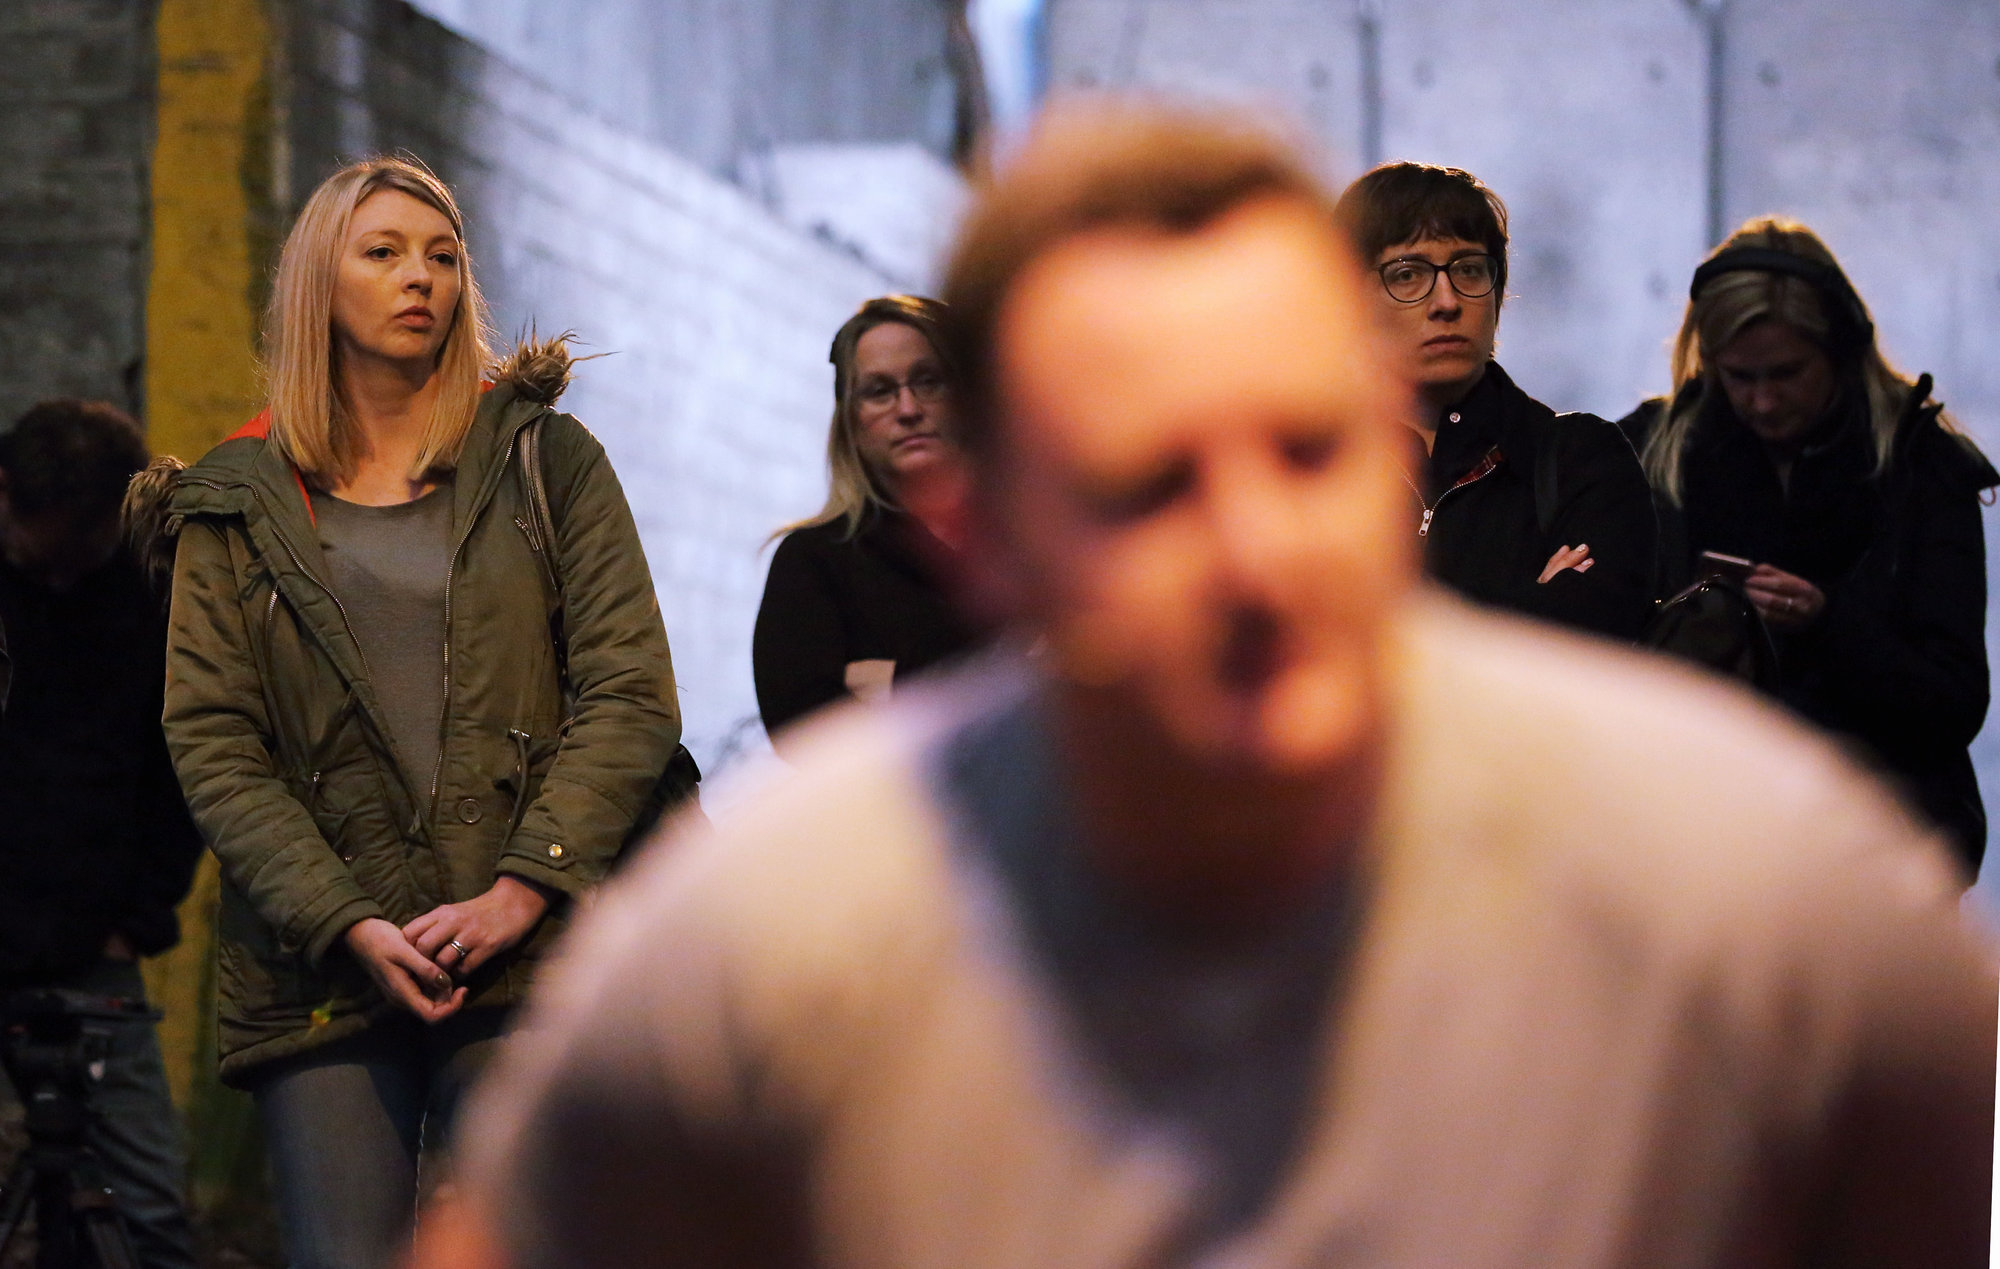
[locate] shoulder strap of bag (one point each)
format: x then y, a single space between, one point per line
680 782
541 522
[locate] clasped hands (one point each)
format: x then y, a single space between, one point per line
420 965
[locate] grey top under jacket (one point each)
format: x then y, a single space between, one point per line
387 567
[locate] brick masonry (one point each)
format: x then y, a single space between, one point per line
715 80
73 199
713 394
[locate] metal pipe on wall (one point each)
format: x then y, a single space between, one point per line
1368 18
1713 16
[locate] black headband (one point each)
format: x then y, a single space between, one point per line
1846 315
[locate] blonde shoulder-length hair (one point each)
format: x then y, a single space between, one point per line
310 422
852 487
1733 302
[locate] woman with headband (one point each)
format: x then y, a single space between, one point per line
1793 457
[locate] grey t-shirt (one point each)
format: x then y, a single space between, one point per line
387 567
1212 1041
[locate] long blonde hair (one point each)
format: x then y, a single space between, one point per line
853 489
310 422
1733 302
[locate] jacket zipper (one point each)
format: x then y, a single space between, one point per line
450 572
297 563
1480 471
451 569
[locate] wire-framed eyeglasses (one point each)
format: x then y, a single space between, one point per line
926 386
1411 279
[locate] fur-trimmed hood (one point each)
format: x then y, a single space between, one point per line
538 371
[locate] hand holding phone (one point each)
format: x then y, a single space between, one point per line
1734 567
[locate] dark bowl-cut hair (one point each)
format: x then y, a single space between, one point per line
1407 202
1175 170
71 456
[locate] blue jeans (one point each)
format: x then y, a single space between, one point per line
134 1130
348 1124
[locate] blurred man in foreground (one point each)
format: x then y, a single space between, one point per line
1279 914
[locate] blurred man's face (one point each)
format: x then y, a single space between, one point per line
1197 499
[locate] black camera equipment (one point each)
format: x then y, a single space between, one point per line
54 1045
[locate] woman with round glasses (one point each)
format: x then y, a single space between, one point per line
853 601
1519 507
1849 499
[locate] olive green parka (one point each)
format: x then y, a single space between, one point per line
281 747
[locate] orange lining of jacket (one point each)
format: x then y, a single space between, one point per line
259 429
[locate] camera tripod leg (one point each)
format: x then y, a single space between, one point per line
94 1220
14 1201
76 1224
113 1250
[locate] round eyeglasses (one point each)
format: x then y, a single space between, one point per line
1411 279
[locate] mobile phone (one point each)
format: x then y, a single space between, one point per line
1733 567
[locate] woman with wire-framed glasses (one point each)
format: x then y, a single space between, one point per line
1519 507
854 602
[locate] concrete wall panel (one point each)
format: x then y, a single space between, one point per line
1588 122
1300 63
1879 125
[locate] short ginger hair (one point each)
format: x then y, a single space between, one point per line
1172 169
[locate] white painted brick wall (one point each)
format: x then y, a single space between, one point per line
715 392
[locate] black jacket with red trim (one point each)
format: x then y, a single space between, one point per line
1508 483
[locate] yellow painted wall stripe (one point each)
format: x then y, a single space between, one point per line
211 174
208 173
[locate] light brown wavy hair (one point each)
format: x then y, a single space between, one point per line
852 488
310 423
1732 303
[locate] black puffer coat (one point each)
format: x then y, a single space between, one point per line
1897 660
1508 482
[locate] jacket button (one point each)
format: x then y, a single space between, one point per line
1454 416
555 850
468 810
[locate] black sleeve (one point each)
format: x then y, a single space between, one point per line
1900 650
1602 501
798 652
164 844
168 846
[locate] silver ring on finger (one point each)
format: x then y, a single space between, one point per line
462 950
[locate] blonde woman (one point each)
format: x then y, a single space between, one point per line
853 601
366 702
1791 444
